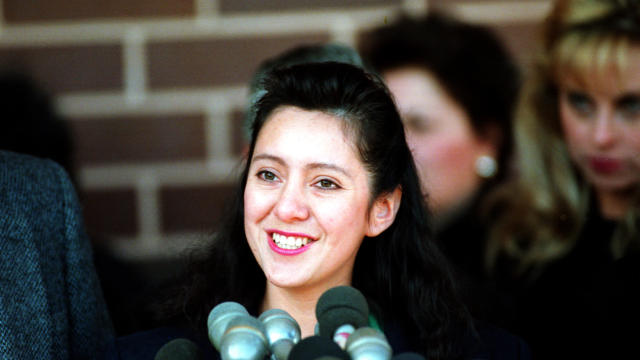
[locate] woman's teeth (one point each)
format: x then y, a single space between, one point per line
289 242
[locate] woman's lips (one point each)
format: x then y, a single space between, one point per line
286 243
603 165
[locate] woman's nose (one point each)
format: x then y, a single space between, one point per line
604 130
292 205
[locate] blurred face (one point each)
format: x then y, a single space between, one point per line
601 124
443 143
306 200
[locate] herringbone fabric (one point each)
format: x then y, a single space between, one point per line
51 305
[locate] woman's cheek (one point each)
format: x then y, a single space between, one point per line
257 203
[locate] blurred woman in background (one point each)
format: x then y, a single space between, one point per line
566 233
455 86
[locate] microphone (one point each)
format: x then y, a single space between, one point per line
178 349
341 310
317 347
282 331
219 318
367 343
244 339
408 356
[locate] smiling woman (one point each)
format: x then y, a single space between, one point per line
329 196
328 166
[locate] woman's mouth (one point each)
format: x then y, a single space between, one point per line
604 165
289 242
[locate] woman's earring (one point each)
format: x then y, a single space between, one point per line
486 166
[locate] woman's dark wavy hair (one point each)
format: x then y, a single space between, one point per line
401 271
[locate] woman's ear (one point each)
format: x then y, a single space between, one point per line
383 212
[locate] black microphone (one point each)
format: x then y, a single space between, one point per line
317 347
219 318
244 339
179 349
367 343
282 330
340 311
408 356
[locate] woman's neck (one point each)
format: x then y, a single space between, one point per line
614 204
300 304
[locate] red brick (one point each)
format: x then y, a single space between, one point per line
274 5
68 68
193 208
205 63
16 11
110 212
139 139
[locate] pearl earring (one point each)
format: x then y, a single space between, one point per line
486 166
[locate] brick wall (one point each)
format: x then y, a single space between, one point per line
154 91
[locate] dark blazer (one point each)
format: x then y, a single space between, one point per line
51 305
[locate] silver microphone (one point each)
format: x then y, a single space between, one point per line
282 330
367 343
244 339
219 318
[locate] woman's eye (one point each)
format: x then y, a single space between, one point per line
629 107
267 175
581 103
416 124
327 184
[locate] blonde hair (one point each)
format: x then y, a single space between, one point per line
539 216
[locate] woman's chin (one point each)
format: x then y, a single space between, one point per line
284 279
614 185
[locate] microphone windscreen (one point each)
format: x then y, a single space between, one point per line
178 349
316 347
219 318
339 306
408 356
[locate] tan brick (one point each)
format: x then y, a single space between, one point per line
199 63
110 212
68 68
139 139
443 4
273 5
16 11
193 208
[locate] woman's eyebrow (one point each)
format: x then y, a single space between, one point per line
627 97
320 165
311 166
269 157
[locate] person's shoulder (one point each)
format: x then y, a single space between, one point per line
24 164
27 178
496 343
35 191
146 344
